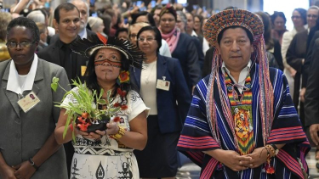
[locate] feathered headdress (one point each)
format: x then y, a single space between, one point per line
86 47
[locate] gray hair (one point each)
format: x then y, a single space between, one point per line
86 4
182 15
36 16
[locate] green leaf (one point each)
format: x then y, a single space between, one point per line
102 101
55 80
54 86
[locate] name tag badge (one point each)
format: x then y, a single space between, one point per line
163 85
83 69
28 102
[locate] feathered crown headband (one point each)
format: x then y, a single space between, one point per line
86 47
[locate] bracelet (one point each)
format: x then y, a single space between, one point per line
271 148
33 164
119 134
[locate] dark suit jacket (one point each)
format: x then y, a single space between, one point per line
74 66
187 55
207 68
309 58
312 92
296 52
23 134
54 38
172 105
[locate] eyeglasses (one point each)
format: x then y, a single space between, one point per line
148 39
313 16
296 17
24 44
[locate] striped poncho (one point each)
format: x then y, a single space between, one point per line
197 135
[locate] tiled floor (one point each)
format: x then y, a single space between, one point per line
191 171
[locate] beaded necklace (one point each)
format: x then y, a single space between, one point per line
241 110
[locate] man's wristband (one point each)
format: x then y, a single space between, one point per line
33 164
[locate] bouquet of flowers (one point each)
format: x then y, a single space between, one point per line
88 117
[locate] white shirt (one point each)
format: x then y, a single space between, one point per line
13 80
148 86
164 50
242 76
83 34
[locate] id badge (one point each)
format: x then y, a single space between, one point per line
163 85
28 102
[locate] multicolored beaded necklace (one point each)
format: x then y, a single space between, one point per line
241 109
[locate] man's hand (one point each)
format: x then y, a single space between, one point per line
24 170
313 130
233 160
258 157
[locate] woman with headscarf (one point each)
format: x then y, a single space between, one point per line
234 128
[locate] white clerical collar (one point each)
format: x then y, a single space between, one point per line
242 76
13 84
83 34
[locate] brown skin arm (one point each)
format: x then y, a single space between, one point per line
26 170
230 158
136 138
6 171
59 129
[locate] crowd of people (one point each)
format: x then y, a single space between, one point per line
236 92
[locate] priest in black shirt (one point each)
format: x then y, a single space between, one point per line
67 22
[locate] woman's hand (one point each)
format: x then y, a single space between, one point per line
90 136
24 170
258 157
111 128
7 172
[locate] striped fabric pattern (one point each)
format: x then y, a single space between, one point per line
286 128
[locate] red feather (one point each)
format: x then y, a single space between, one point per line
102 38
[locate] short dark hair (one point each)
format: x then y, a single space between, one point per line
149 16
158 36
25 22
67 7
277 14
120 30
249 34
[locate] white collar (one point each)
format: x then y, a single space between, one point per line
83 33
242 76
13 84
194 33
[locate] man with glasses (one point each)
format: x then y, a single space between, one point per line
67 21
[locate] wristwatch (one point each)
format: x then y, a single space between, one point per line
33 164
275 148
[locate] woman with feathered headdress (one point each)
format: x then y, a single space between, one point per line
105 150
